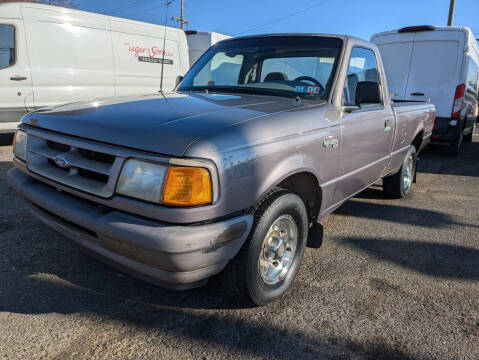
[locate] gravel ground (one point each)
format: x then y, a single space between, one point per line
394 279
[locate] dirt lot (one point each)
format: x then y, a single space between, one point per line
393 280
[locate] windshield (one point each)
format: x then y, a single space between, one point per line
275 65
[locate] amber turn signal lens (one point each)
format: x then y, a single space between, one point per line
187 186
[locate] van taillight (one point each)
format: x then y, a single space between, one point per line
457 105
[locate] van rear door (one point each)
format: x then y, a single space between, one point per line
396 52
16 94
435 68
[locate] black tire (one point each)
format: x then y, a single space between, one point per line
242 277
393 185
456 145
468 137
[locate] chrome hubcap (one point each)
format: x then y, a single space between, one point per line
408 174
279 247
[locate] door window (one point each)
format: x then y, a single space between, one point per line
7 45
362 67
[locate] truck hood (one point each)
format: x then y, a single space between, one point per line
162 123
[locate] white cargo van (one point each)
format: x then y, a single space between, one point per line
200 41
440 64
51 55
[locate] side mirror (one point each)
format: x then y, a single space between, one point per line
367 92
178 80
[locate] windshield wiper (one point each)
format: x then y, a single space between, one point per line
249 90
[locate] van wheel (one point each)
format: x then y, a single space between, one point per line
399 184
455 147
468 137
268 262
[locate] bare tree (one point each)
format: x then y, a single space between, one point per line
64 3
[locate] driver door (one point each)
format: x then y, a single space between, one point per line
367 131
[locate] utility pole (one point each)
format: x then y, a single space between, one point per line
451 12
181 19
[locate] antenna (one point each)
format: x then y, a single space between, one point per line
168 3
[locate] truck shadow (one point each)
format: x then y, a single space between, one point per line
242 334
433 259
70 283
435 160
52 276
41 273
397 214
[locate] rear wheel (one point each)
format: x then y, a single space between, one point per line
268 262
468 137
399 184
455 147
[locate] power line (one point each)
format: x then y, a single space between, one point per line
142 11
128 6
283 17
120 8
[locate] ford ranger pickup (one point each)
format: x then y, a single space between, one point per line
262 138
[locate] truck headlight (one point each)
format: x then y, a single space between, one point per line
20 145
168 185
142 180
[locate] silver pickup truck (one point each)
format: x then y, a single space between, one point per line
263 138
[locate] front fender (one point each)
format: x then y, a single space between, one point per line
289 166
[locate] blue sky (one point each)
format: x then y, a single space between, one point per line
244 17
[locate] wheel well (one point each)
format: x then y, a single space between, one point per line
306 186
417 142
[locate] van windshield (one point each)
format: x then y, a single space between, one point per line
289 66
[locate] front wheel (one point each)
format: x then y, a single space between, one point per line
268 262
399 184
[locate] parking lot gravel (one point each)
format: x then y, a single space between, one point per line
393 279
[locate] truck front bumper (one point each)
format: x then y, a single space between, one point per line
171 256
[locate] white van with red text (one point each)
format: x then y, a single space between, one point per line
52 55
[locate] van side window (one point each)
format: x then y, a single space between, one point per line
7 45
362 68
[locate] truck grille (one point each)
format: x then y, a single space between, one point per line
79 165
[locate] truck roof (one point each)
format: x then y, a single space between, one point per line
344 37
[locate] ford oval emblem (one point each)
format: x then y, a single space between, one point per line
61 162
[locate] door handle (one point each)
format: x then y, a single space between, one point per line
387 125
417 94
18 78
